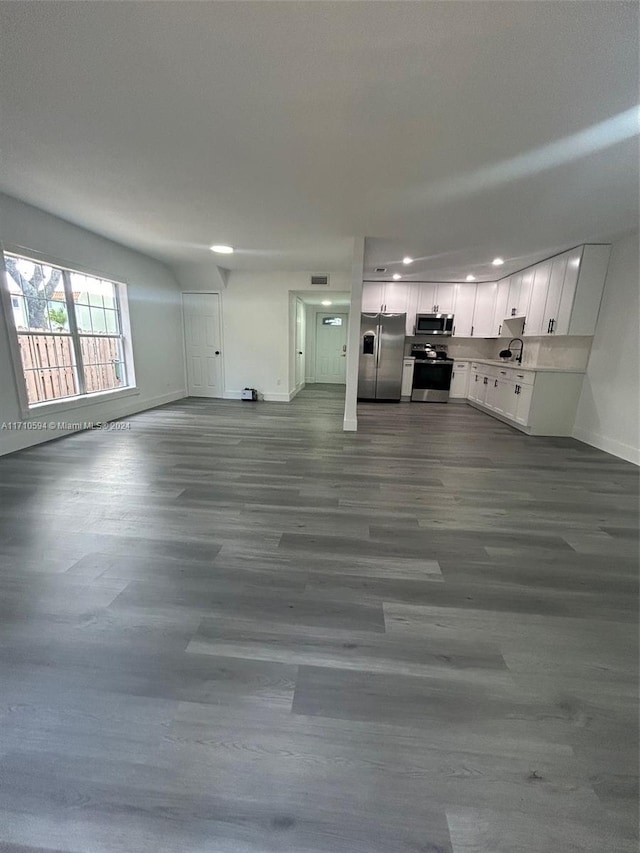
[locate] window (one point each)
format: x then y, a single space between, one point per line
69 328
332 321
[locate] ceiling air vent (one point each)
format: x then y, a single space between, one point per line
381 269
320 280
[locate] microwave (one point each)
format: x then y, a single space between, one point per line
434 324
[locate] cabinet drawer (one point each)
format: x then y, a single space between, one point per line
523 377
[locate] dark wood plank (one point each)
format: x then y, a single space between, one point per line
239 628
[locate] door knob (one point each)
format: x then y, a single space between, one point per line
299 352
217 352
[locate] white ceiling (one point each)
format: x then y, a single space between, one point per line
450 131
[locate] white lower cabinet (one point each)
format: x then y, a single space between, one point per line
537 402
524 397
476 385
407 377
508 398
459 380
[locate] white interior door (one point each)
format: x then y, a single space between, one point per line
331 348
202 340
300 343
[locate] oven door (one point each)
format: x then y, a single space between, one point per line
431 381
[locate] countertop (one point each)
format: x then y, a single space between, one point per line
515 366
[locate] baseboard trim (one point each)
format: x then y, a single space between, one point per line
609 445
296 391
276 398
268 397
118 409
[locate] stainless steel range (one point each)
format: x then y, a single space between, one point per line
431 373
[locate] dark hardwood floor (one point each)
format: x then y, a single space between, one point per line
234 628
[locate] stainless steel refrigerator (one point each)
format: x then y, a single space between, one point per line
381 355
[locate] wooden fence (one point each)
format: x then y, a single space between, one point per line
49 368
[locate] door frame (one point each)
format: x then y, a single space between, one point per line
223 376
324 309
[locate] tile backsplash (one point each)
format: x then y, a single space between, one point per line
571 352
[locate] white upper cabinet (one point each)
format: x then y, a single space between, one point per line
401 298
514 294
565 292
524 298
393 297
426 298
436 298
372 296
538 298
397 297
558 296
554 291
502 301
582 291
484 309
463 310
445 298
520 287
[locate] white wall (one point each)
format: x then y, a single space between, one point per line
257 329
155 314
607 415
350 422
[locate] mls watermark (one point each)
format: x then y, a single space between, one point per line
15 426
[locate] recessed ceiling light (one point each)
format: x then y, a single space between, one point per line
407 260
497 262
396 276
471 278
326 302
222 250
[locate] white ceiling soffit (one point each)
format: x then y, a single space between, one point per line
457 131
337 298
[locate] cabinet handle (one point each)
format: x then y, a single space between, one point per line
513 312
454 331
503 372
472 331
476 377
453 373
499 329
549 327
524 323
495 384
486 380
553 326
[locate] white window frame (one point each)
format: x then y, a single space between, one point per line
83 399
